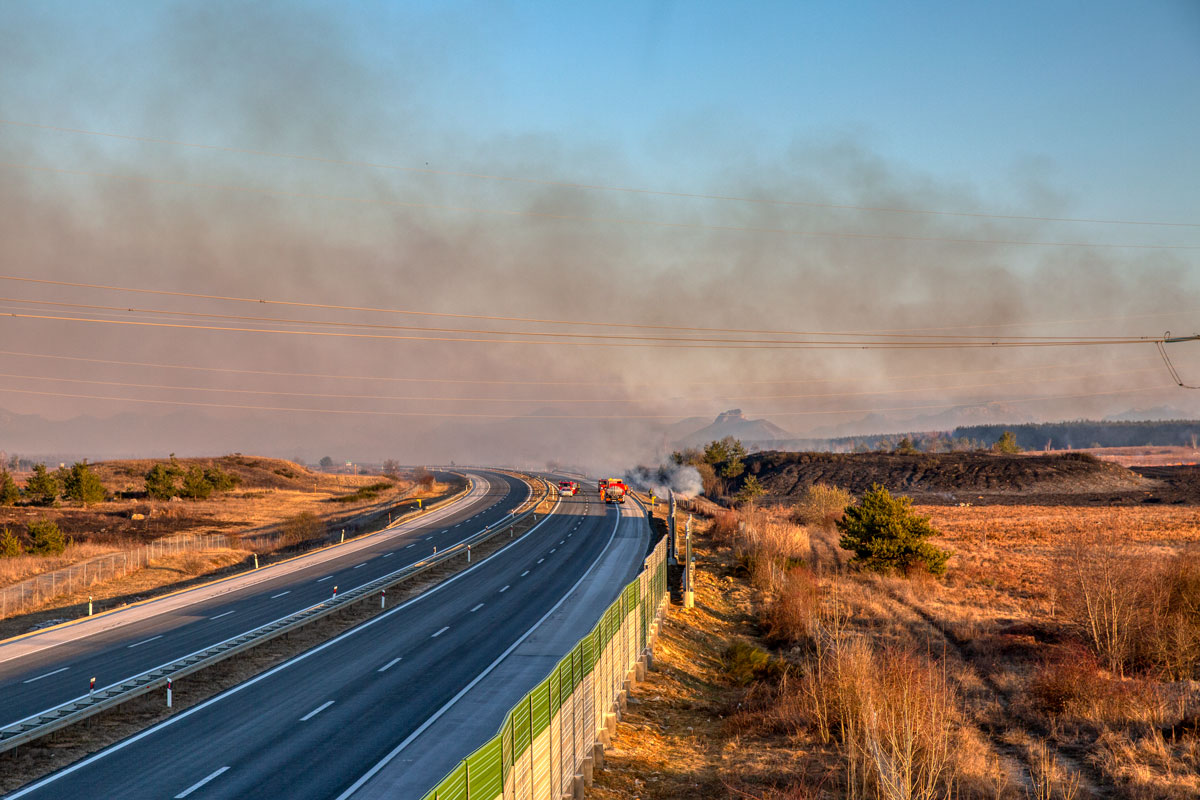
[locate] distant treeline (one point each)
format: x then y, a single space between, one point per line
1030 436
1090 433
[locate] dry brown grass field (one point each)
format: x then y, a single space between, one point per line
276 506
1058 658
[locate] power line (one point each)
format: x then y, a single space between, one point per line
896 333
168 313
615 384
551 401
446 414
729 345
588 186
243 189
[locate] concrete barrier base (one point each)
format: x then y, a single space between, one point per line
598 756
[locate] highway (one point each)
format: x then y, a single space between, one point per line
52 667
313 726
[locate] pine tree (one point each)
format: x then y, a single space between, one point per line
160 481
9 493
751 490
195 485
1007 443
886 535
10 545
46 539
83 485
42 488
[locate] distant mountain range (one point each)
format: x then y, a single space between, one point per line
604 444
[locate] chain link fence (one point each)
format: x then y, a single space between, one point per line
31 593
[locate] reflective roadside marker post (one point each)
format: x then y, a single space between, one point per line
468 554
92 687
89 605
343 534
419 506
383 598
335 590
168 692
256 560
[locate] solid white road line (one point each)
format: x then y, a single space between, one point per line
316 711
226 614
200 783
439 633
121 745
505 589
144 641
281 594
388 665
476 608
64 669
487 671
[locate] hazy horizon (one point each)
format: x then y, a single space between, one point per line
817 169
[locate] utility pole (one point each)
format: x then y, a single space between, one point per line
689 592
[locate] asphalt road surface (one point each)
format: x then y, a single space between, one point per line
52 667
312 726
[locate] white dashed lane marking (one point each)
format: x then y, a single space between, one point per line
388 665
505 589
281 594
199 783
540 560
144 641
439 633
476 608
64 669
360 566
523 574
225 614
326 578
316 711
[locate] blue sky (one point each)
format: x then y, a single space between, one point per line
1044 109
1100 98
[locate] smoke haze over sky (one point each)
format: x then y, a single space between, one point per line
1064 110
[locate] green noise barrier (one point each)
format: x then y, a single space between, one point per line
548 734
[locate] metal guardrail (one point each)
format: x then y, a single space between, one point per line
546 744
71 712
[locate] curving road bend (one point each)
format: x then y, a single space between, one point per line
313 726
52 667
